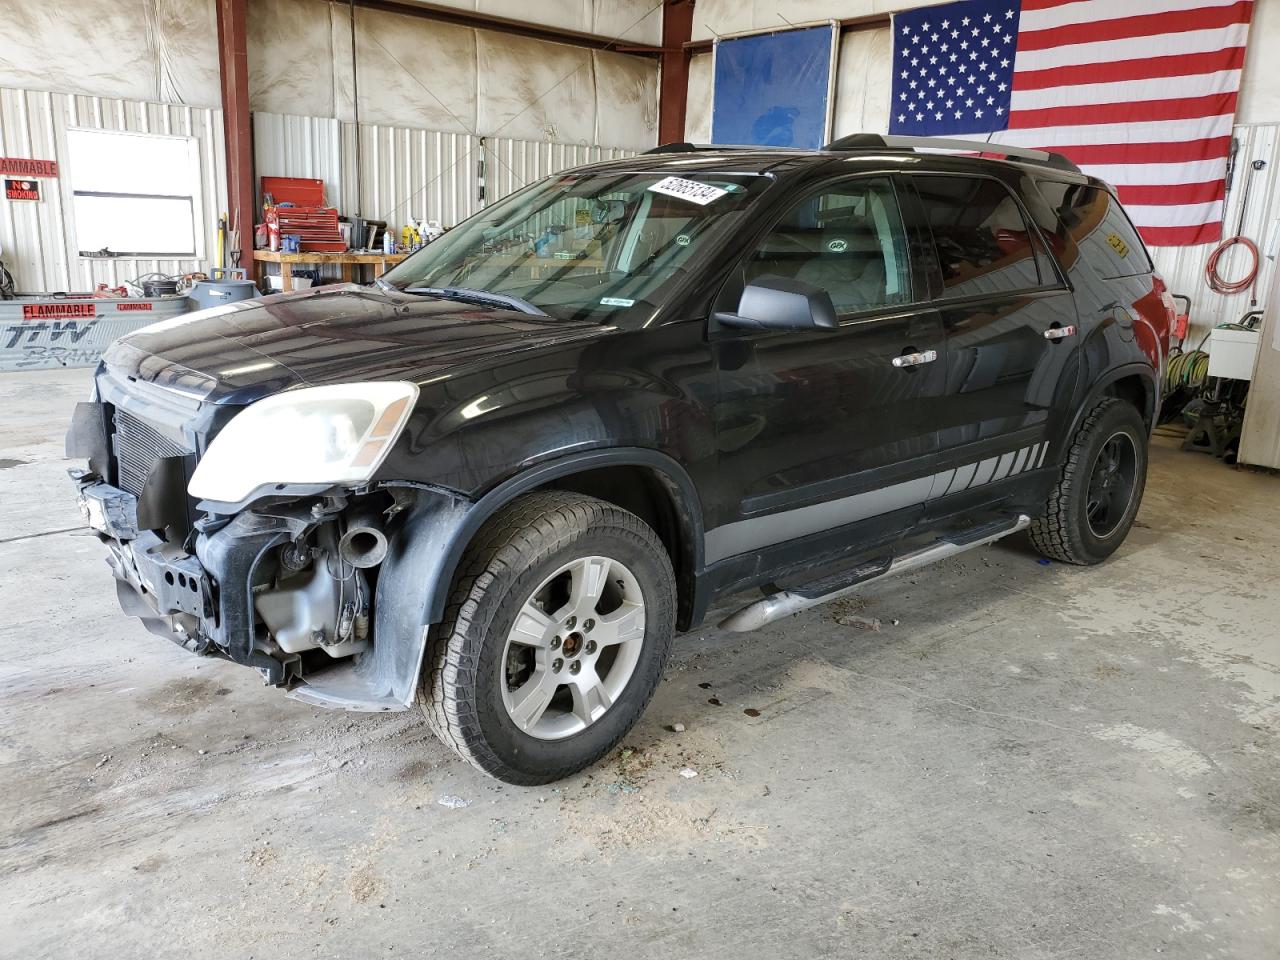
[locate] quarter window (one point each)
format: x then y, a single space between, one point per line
848 239
983 242
1094 219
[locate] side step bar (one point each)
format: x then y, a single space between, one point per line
783 604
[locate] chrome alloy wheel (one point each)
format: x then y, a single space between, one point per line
573 648
1111 485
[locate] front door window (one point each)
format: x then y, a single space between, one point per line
847 239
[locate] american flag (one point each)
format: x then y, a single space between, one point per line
1142 97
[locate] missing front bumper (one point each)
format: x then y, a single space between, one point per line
203 601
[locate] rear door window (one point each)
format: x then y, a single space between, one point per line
983 242
1094 219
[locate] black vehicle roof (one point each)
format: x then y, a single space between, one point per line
781 161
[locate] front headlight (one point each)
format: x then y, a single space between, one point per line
332 435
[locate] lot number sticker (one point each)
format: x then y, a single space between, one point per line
691 190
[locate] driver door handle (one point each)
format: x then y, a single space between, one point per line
915 359
1060 333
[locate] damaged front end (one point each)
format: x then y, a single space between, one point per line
323 587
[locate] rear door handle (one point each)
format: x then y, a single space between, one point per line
915 359
1060 333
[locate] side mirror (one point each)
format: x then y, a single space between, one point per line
779 303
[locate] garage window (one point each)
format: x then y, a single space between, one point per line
134 194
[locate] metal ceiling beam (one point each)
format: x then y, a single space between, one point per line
521 28
673 91
233 71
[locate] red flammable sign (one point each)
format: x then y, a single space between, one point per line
46 311
24 167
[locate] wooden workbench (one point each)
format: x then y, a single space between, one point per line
347 261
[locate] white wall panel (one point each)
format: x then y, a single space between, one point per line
863 82
1183 268
721 17
626 107
697 113
293 63
639 21
164 50
39 238
534 90
423 74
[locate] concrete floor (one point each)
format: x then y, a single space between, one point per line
1035 761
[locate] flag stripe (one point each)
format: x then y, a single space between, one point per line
1181 151
1175 215
1181 236
1133 174
1163 194
1148 68
1054 138
1143 27
1066 13
1029 5
1108 51
1186 108
1128 91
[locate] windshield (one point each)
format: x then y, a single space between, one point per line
584 246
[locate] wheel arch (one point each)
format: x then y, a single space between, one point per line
646 482
1135 383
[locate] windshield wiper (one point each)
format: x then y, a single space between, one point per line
467 295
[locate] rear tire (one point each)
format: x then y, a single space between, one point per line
1094 502
555 636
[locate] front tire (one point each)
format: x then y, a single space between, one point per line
554 638
1094 502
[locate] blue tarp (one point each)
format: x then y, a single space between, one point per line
772 89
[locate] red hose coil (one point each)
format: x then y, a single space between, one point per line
1216 283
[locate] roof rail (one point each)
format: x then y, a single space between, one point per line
708 147
874 141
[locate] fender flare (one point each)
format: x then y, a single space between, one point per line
673 475
426 545
1111 376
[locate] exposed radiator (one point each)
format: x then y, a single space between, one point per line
138 446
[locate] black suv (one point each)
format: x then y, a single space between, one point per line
498 481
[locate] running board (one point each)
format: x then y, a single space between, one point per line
783 604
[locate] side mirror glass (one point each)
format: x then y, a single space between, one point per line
780 303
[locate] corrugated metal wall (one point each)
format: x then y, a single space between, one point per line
1183 267
512 164
409 173
39 238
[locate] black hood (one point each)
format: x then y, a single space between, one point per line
247 350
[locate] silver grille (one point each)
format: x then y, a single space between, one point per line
138 447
